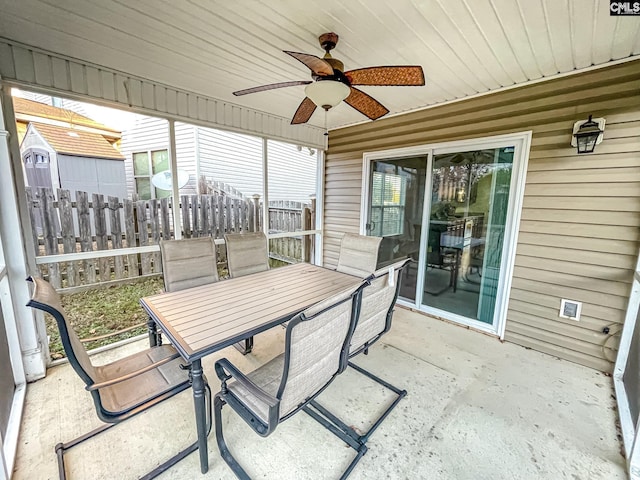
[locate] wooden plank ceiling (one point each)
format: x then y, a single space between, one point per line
213 47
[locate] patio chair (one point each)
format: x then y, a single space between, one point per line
120 389
247 253
188 263
316 349
376 311
358 255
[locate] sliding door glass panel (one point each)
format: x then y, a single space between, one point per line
396 195
465 236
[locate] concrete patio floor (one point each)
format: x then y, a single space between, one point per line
476 409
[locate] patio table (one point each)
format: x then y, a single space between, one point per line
201 320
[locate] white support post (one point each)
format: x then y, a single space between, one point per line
319 254
175 188
18 247
265 187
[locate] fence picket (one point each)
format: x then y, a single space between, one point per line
84 233
100 225
67 232
116 235
154 221
195 214
220 217
33 209
186 221
130 236
49 233
165 220
143 235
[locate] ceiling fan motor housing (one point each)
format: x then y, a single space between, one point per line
328 41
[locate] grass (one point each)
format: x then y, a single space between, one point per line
101 311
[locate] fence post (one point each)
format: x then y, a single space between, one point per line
256 213
312 238
306 239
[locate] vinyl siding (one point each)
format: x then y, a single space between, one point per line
578 237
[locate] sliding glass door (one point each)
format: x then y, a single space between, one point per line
396 201
453 209
465 239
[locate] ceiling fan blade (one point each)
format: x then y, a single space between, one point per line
315 64
304 112
271 86
366 104
390 76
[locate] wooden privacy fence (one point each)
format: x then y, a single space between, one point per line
62 224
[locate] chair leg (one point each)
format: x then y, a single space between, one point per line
218 403
349 430
244 347
226 455
359 447
60 448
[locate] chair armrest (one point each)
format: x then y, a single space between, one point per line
224 365
128 376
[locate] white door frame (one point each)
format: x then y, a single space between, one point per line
522 142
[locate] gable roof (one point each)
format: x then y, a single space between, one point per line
72 141
25 110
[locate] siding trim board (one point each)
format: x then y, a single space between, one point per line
579 234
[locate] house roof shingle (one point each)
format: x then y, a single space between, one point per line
77 142
42 110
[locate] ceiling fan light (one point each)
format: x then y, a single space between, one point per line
327 93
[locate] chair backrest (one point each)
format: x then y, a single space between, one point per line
247 253
376 307
188 263
45 298
358 255
316 348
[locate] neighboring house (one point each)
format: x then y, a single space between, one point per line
63 149
218 156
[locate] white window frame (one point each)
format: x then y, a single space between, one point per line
398 206
149 176
522 143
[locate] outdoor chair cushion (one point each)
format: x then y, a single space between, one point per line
188 263
358 255
139 389
247 253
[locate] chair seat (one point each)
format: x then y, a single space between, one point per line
139 389
268 378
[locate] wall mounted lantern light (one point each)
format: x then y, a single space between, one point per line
586 135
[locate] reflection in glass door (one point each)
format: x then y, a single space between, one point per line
466 229
396 197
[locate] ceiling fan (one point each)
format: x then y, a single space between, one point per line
331 84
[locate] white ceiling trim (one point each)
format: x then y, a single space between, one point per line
46 72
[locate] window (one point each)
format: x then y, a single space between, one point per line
388 194
145 166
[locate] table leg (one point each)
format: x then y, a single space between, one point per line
197 383
153 332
